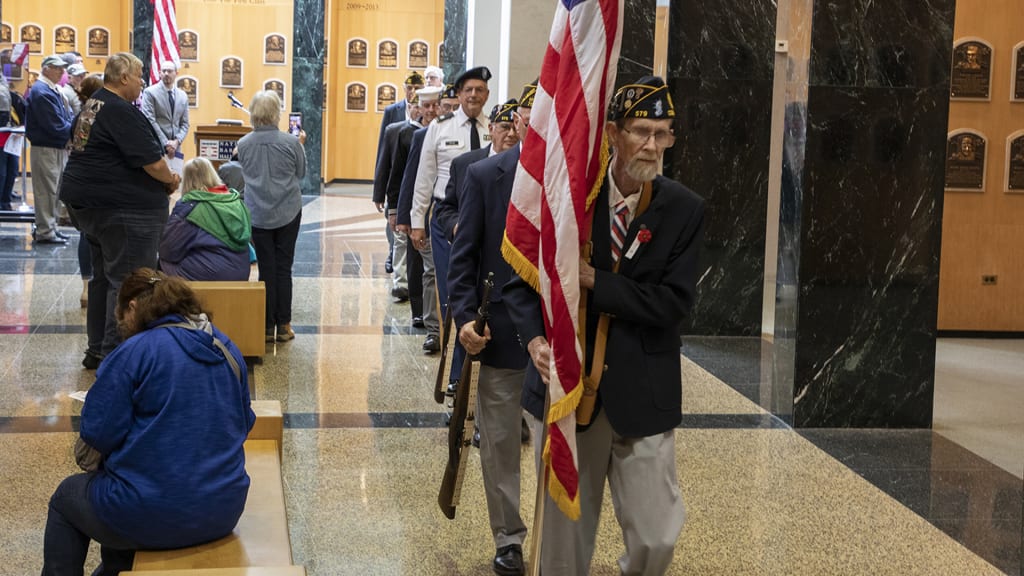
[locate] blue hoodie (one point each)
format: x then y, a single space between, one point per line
170 418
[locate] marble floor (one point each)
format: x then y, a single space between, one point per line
364 441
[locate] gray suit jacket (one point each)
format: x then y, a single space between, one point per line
156 107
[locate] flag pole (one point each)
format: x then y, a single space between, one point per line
661 38
542 492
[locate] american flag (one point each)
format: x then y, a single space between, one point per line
165 38
560 171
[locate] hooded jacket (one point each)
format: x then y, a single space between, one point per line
170 418
207 237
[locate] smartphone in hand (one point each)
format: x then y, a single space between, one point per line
295 123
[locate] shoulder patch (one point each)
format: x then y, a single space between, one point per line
447 116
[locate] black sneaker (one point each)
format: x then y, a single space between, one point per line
417 322
91 361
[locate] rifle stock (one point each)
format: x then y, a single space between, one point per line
460 429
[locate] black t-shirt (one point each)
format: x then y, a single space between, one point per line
111 141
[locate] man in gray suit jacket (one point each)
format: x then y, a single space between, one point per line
166 106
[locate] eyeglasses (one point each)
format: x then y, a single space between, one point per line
663 139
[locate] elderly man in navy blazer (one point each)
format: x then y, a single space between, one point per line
166 106
630 442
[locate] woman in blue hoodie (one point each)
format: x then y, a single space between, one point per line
169 413
207 234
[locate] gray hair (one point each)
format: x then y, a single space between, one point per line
198 174
265 109
120 65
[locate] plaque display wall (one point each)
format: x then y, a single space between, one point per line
385 96
387 54
1017 80
277 85
64 39
33 35
231 72
965 161
99 42
355 97
190 85
419 54
1014 181
11 70
5 33
971 77
274 49
188 45
357 53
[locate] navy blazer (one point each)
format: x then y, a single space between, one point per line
392 113
446 213
641 389
412 166
486 190
385 157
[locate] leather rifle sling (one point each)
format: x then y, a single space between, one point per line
592 379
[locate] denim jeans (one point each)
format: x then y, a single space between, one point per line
275 254
70 524
121 241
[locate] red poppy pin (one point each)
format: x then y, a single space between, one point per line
644 235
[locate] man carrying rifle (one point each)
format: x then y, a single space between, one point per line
483 202
641 279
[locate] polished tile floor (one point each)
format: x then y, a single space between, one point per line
364 441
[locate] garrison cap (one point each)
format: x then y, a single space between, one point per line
414 78
648 97
478 73
529 93
503 112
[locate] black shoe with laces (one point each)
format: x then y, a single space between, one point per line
432 344
508 561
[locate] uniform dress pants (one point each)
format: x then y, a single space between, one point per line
47 166
442 251
71 523
414 275
499 417
275 254
648 505
431 321
120 241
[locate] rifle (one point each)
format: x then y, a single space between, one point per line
447 351
460 429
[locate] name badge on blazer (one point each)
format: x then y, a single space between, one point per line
487 137
451 144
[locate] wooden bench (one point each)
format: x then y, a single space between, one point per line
239 310
261 537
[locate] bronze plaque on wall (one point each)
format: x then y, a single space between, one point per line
387 54
34 36
419 54
99 42
356 53
188 45
355 98
5 33
1018 73
273 49
965 162
276 86
385 96
190 86
1015 163
972 71
231 73
64 39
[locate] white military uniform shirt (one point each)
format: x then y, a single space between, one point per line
446 138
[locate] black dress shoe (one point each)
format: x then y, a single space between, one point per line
509 561
400 294
417 322
525 434
91 361
388 267
60 234
452 387
54 240
476 437
432 344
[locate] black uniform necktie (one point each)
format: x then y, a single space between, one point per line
474 137
170 98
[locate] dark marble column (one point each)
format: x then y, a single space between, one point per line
636 57
866 114
308 85
455 22
142 34
720 72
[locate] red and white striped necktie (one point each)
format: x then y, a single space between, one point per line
619 229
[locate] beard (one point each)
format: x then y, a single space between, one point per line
642 169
